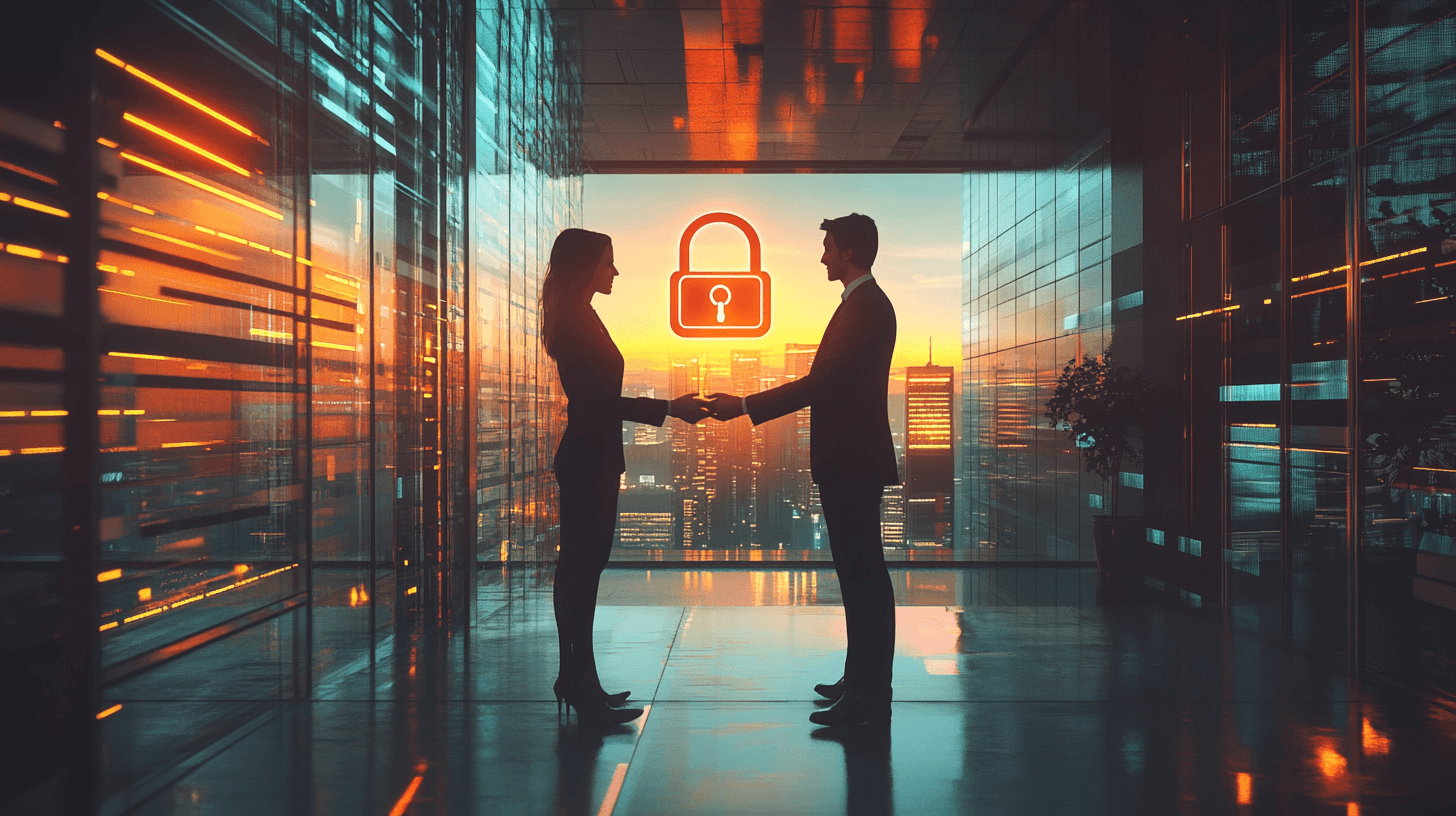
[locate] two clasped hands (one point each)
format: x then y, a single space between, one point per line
692 408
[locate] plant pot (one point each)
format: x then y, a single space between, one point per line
1116 541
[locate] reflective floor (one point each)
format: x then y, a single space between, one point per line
1009 700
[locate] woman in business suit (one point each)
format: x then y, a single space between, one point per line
589 460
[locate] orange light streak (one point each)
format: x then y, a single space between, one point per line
28 252
1208 312
33 451
1319 291
103 627
12 413
108 143
1245 786
143 297
175 139
280 335
15 168
137 356
192 444
1434 299
39 207
50 413
409 794
109 575
1344 268
1441 264
101 715
1437 470
1393 257
179 242
160 85
202 186
411 590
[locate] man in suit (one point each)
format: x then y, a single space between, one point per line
852 458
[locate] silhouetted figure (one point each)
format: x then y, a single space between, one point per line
589 460
852 458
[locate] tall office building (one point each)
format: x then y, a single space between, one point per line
690 507
804 494
741 455
929 456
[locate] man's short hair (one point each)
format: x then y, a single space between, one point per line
856 233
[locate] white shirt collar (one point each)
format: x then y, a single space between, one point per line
843 296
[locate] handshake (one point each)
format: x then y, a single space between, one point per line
692 408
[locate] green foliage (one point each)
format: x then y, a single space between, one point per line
1099 406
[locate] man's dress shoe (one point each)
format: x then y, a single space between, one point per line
832 691
856 708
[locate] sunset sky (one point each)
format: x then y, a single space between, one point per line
918 265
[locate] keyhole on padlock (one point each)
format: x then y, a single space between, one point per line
727 298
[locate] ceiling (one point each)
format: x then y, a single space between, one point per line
825 85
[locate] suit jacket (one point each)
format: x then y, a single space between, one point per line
847 392
591 375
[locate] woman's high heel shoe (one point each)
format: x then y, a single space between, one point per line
590 707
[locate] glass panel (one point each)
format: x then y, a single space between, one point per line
1253 94
1408 448
1252 407
1318 440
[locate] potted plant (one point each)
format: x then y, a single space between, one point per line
1100 407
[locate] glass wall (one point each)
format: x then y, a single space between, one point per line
318 398
1039 292
1317 305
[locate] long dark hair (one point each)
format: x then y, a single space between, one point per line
574 257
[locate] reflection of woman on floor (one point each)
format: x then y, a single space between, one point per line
589 461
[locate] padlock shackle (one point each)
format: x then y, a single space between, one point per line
755 252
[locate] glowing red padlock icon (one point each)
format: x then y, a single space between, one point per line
720 304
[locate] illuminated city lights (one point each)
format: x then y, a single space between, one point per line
205 187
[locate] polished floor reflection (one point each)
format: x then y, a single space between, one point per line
1007 702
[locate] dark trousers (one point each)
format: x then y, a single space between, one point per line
588 521
852 514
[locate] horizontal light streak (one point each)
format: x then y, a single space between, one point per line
109 575
217 191
101 715
190 245
139 356
15 168
338 346
1253 425
121 202
143 297
1437 470
1441 264
192 444
175 139
1208 312
344 281
50 413
103 627
1408 252
1319 291
12 413
278 335
28 252
162 86
1312 275
195 598
1434 299
37 206
49 449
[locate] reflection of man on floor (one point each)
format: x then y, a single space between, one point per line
852 458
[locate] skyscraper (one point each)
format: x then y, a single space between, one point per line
929 456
